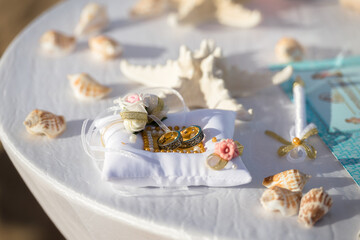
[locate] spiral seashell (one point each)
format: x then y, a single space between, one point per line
40 122
281 199
57 43
289 50
104 47
314 205
85 87
93 19
293 179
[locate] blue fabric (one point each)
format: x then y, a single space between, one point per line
345 145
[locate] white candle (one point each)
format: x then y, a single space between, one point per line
300 106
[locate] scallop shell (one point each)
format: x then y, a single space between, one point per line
40 122
293 179
149 8
85 87
93 19
57 43
104 47
289 50
281 199
233 14
314 205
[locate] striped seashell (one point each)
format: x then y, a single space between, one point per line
104 47
314 205
93 19
281 199
40 122
293 180
85 87
56 43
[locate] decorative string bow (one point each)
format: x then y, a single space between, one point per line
296 142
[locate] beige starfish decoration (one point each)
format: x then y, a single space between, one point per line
227 12
204 80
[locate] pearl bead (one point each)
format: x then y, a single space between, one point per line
296 141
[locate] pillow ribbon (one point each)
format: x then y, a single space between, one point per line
141 116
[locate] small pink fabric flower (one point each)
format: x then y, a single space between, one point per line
132 98
226 149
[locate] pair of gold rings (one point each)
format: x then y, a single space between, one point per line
187 138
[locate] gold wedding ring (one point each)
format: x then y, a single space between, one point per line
170 140
191 136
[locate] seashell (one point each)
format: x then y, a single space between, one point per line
289 50
281 199
85 87
57 43
293 179
234 14
40 122
314 205
93 19
104 47
148 8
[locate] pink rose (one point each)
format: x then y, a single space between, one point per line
132 98
227 149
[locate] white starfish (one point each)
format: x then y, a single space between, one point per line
204 80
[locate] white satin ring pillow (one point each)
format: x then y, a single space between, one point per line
134 167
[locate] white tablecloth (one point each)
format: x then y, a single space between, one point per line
67 183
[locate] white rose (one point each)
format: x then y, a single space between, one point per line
135 125
135 117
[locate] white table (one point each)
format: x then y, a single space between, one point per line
67 183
